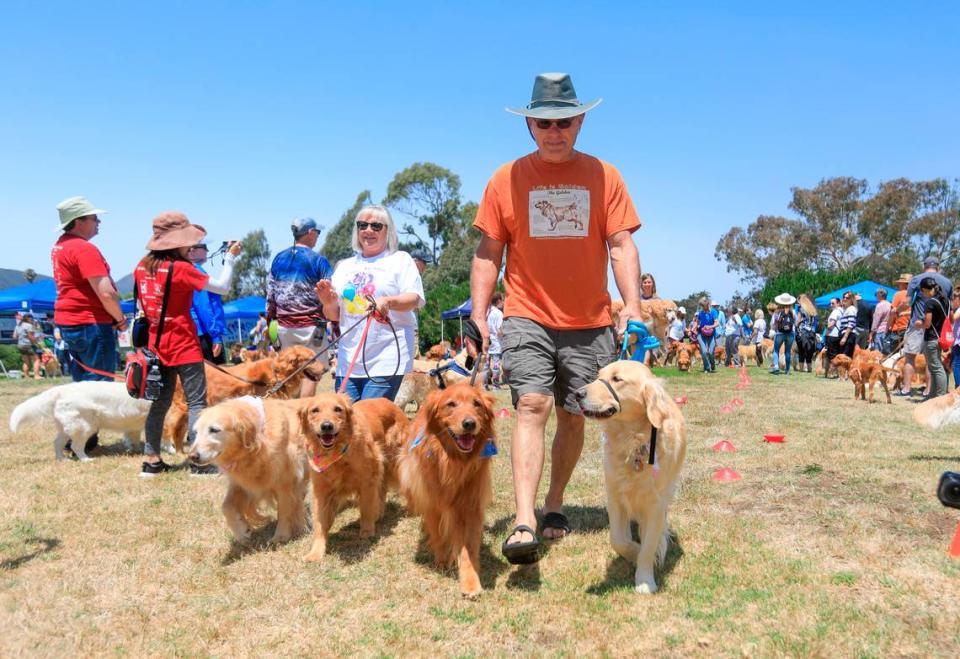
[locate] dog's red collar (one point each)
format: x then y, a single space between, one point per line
314 460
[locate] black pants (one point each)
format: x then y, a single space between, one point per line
833 349
806 346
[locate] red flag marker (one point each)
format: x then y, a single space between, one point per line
737 402
503 413
726 475
725 409
723 446
680 400
774 439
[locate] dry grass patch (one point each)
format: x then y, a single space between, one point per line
833 544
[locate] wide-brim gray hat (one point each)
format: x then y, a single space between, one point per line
74 207
554 97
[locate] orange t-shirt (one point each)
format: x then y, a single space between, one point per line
555 219
902 318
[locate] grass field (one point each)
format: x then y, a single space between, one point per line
833 544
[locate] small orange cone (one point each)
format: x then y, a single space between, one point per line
726 475
736 402
680 400
954 550
723 446
503 413
725 409
741 386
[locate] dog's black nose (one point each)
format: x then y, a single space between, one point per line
326 426
580 393
469 424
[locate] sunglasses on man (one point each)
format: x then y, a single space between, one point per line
202 246
376 226
562 124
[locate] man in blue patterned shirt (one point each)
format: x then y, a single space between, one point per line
291 296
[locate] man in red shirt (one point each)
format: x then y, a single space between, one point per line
563 214
87 309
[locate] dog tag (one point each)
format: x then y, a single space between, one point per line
489 449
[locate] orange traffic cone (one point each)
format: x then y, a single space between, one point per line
954 550
503 413
680 400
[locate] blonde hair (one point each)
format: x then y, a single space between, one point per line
382 215
758 314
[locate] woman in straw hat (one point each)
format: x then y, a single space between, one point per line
784 324
179 348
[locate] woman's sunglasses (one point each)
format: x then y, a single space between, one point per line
562 124
376 226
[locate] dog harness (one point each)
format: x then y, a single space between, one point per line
653 428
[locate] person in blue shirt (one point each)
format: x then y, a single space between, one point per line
706 327
207 313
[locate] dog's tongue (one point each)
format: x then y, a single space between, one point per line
327 440
466 442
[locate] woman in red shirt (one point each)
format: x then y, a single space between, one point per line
179 349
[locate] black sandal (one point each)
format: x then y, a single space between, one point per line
521 553
557 521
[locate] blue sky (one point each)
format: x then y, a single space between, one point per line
248 114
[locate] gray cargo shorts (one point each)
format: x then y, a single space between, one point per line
540 360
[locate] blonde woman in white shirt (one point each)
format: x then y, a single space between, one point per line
391 278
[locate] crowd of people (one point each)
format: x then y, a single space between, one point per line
548 337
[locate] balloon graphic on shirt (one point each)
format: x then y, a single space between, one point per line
349 292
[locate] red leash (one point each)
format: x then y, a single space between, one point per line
363 339
97 371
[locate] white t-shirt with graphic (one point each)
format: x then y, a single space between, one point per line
377 276
495 323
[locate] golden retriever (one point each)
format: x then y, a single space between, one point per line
445 476
940 411
260 376
630 403
863 372
256 444
418 383
439 351
352 451
841 363
750 352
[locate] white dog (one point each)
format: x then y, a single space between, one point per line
630 403
80 409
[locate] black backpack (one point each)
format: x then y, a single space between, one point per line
785 322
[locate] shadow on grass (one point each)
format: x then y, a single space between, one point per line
491 566
583 519
620 572
922 457
345 543
47 545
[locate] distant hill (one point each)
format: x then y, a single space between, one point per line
10 278
125 285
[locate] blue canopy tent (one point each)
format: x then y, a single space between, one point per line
867 290
244 308
460 312
38 296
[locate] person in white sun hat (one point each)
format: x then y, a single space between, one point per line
784 324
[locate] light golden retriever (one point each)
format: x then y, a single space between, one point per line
445 476
630 403
352 451
418 383
256 443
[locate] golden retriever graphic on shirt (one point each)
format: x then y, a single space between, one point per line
559 213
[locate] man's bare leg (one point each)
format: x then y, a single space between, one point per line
526 458
308 387
908 371
564 455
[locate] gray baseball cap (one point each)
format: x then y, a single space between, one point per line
302 225
931 262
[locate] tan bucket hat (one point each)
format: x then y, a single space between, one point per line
172 230
73 207
904 278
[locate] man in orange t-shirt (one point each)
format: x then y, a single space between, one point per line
558 213
899 312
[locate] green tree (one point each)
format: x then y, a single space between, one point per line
430 195
440 297
336 246
690 302
812 282
457 257
30 275
252 267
